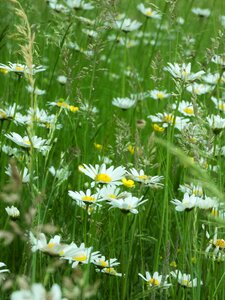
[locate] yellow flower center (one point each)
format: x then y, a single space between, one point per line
220 243
111 271
186 283
189 110
112 196
221 106
19 68
214 212
88 198
184 73
196 91
4 71
143 177
80 257
131 149
27 142
98 146
128 183
62 104
173 264
168 118
61 253
149 12
160 95
73 108
158 128
154 281
103 178
3 115
51 245
103 263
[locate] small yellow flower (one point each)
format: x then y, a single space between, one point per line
173 264
98 146
73 108
3 71
158 128
128 183
131 149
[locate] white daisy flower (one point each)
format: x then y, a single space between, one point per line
215 244
185 279
22 69
158 95
140 176
26 142
183 72
186 108
81 254
101 262
214 78
109 271
102 174
188 203
79 4
38 292
84 197
53 247
168 119
191 189
2 271
13 212
127 25
219 103
148 12
207 203
199 89
201 12
123 103
219 59
61 174
155 280
127 204
109 192
35 90
62 79
8 113
216 123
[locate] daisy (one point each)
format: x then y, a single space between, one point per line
8 113
159 95
79 4
123 103
140 176
84 197
207 203
127 25
109 271
13 212
22 69
183 72
61 174
24 175
219 59
102 174
216 123
217 245
62 79
2 271
127 204
101 262
186 108
64 105
199 89
188 203
219 103
191 189
201 12
38 292
28 142
155 280
148 12
53 247
185 279
81 254
214 78
35 90
167 119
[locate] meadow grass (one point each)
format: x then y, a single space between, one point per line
66 208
